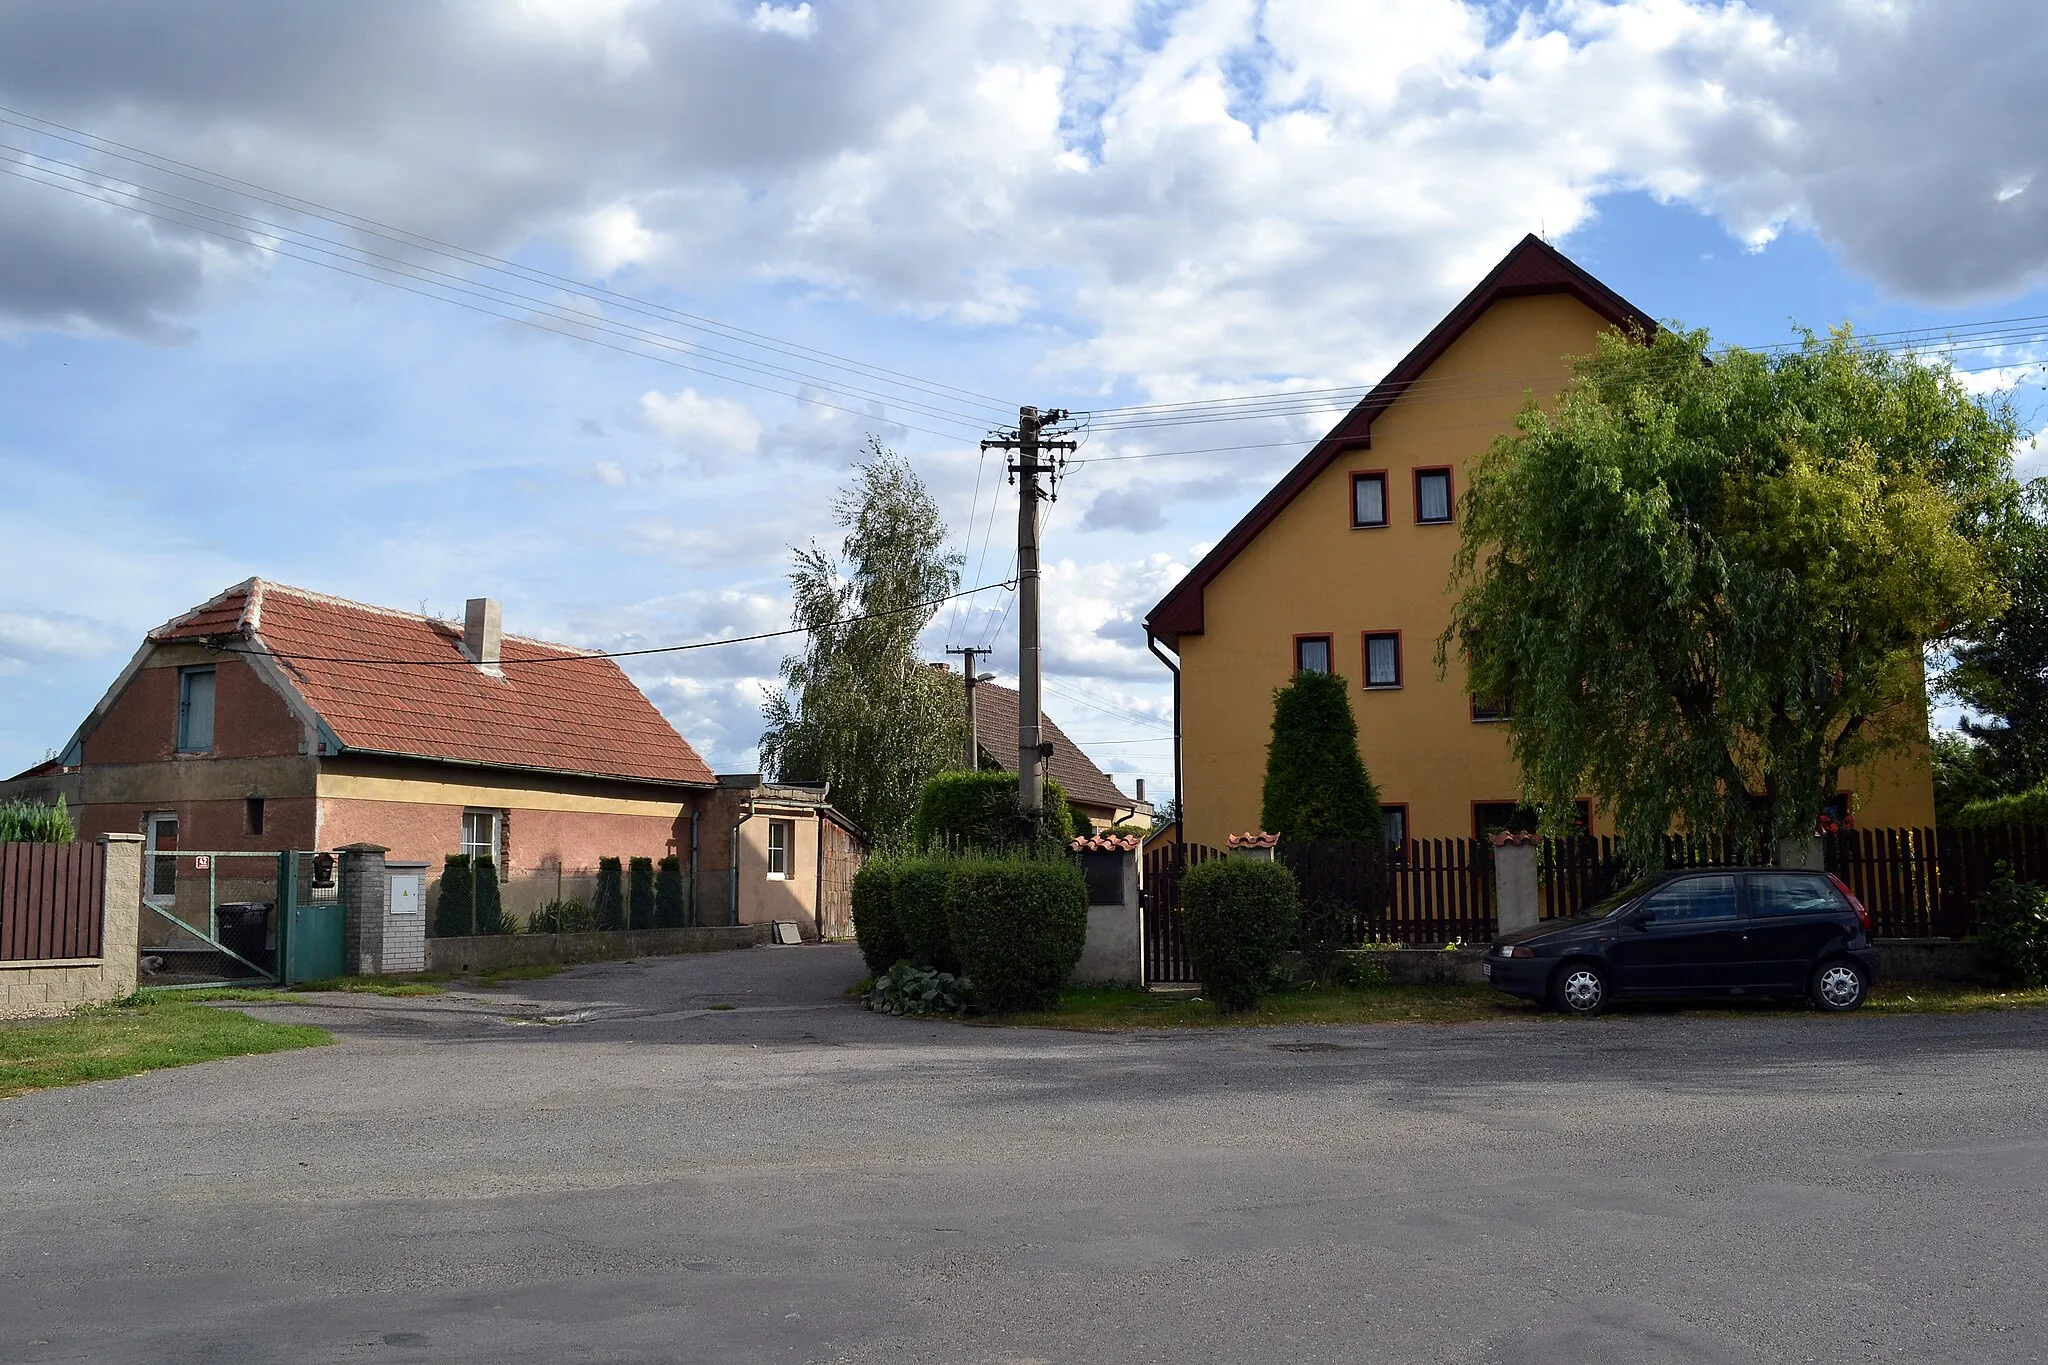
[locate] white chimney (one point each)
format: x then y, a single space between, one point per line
483 626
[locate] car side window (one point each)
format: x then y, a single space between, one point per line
1691 900
1780 896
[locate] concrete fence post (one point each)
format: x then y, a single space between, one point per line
121 925
1514 880
364 890
1114 951
1257 848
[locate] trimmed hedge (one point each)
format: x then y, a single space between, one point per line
671 911
490 904
2029 807
2013 918
458 898
978 810
1018 925
874 914
919 898
1239 914
640 893
607 903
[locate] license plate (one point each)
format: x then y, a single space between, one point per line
1486 969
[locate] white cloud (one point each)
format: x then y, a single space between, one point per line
785 21
613 238
696 424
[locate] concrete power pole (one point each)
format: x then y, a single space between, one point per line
968 654
1029 442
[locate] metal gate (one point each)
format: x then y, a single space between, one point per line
236 916
1166 945
311 925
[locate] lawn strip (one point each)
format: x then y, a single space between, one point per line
147 1033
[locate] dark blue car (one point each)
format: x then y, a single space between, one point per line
1698 931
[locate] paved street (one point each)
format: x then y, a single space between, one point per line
602 1167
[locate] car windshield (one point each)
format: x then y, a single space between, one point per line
1620 900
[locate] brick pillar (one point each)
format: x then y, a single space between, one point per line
121 925
1514 880
363 891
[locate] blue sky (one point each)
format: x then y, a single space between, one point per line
1034 201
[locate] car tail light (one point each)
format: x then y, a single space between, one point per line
1854 904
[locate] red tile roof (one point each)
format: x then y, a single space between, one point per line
995 730
1108 843
1257 839
395 682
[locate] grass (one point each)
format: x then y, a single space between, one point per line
143 1033
1122 1009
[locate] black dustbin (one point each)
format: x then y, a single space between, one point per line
245 929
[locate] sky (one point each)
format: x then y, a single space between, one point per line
755 235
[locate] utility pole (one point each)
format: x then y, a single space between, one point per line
1029 442
973 746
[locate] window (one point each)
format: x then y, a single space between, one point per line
781 840
252 814
1779 895
1491 711
480 834
1311 654
1383 658
1432 495
1369 499
161 837
1694 898
1492 817
195 710
1396 818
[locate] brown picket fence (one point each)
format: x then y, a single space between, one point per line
51 898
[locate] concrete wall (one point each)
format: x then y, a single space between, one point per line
1311 572
36 989
484 954
1114 952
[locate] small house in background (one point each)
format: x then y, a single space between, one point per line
273 718
1089 790
786 853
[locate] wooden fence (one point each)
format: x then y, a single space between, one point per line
51 901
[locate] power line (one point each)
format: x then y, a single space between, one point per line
215 180
585 657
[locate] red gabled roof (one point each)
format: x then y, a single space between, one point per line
1533 267
995 730
393 682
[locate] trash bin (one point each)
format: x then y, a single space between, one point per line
245 929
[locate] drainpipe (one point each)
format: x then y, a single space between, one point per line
696 814
736 858
1180 797
818 893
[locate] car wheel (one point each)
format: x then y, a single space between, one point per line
1837 985
1579 988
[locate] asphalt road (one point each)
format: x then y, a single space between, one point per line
601 1167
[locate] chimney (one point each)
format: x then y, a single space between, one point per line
483 626
1141 789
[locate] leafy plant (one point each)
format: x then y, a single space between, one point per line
964 810
875 925
1323 933
2001 669
1239 914
32 822
1316 784
2022 808
640 893
607 903
489 916
1018 925
671 911
908 990
455 911
2012 916
919 897
561 917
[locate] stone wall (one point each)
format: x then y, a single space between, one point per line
490 952
38 989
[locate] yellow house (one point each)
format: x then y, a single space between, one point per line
1345 565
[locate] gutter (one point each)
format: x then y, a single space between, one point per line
735 912
1179 796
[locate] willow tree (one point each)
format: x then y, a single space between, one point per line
1707 585
859 707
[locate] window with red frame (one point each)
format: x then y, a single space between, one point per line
1383 658
1432 495
1369 499
1311 654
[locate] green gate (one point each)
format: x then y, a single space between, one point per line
310 923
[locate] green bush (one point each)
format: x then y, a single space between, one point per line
562 917
2012 916
905 989
32 822
1018 925
671 911
874 914
607 904
1239 914
454 913
490 904
1316 784
2029 807
640 893
978 810
918 897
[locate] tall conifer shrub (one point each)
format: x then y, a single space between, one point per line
1316 784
